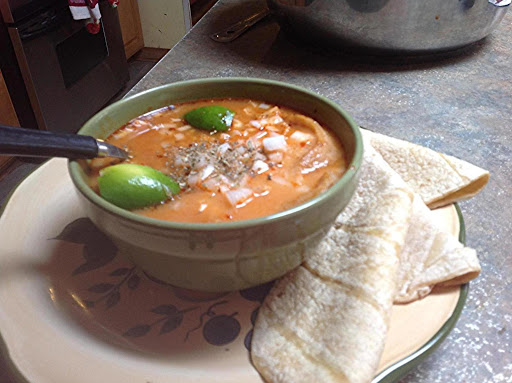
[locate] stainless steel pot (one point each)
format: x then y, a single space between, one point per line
400 26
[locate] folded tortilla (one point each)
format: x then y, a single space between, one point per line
431 257
327 320
438 178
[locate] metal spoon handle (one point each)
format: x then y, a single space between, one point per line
37 143
235 30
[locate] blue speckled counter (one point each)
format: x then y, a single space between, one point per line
460 105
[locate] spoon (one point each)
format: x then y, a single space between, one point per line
38 143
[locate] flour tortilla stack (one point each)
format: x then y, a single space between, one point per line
438 178
431 257
327 320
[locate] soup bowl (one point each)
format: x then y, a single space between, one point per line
223 256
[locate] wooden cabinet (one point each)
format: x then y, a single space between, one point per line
131 29
7 114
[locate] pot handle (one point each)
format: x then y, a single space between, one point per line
500 3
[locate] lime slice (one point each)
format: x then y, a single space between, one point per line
211 117
132 186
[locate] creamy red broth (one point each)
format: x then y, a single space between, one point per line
271 159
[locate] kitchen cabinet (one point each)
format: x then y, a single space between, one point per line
164 22
7 114
131 29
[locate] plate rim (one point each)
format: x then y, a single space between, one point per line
391 374
401 368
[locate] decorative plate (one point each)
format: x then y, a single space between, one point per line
72 309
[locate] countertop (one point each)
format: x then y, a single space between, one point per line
459 105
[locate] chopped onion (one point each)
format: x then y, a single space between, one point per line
184 128
255 123
254 143
260 167
261 134
237 196
275 157
193 179
300 136
202 162
165 145
225 136
179 161
164 126
141 124
176 119
223 148
212 183
224 189
272 128
264 106
276 120
179 136
236 124
207 171
272 144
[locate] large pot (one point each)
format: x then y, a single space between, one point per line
400 26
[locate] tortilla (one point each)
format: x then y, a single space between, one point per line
438 178
431 257
327 320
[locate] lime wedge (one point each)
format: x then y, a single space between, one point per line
132 186
213 117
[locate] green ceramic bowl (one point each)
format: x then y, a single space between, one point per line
231 255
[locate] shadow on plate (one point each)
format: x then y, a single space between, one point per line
117 303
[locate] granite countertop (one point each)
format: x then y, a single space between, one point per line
458 105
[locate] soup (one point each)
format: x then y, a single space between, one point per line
271 158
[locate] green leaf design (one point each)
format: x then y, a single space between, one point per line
133 282
119 272
171 324
165 310
101 288
113 299
137 331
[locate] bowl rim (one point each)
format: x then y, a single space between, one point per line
352 167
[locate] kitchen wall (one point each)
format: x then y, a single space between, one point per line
164 22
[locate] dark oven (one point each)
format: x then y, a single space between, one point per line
68 73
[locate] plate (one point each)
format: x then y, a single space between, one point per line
72 309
